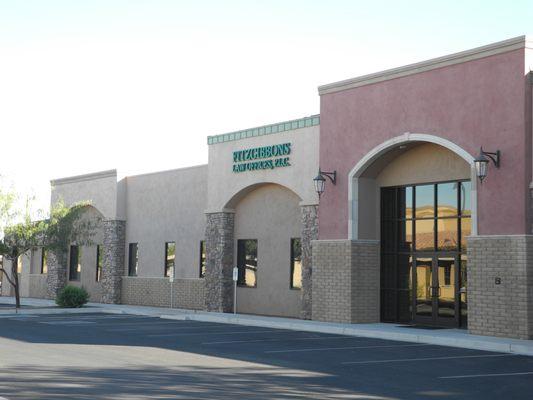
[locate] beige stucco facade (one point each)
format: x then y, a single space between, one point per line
225 187
171 206
398 142
271 215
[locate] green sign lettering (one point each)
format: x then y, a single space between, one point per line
266 157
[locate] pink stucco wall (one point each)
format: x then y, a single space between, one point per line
480 102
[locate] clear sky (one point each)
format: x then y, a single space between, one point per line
138 85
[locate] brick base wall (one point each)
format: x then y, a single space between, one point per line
346 281
188 293
504 309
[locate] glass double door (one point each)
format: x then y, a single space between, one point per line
438 294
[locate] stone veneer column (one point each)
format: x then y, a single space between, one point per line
346 281
309 232
56 277
113 262
219 243
506 308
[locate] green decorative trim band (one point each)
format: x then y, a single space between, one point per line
305 122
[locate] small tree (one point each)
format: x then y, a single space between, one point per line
19 234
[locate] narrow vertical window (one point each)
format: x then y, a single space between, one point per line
133 259
296 263
99 258
74 265
247 262
44 264
170 257
202 259
19 264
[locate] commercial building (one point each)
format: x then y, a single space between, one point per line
406 230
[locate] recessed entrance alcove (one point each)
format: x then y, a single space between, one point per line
417 198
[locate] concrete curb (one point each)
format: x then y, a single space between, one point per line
40 311
449 338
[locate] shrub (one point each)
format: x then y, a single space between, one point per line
72 297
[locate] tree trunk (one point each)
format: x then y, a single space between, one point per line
15 275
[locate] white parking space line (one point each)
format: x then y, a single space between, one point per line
79 317
73 322
486 375
428 359
292 339
345 348
206 333
139 323
132 327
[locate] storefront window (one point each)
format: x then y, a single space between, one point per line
424 235
133 259
75 264
202 259
425 201
44 264
99 260
465 206
405 202
435 231
170 257
466 230
447 234
447 199
296 263
247 262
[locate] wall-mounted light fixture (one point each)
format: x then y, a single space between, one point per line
320 181
482 162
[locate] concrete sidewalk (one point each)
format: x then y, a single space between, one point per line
443 337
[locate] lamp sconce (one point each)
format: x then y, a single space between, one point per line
320 181
482 162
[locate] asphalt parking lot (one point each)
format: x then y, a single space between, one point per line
108 356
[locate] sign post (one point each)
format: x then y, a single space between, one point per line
235 277
171 280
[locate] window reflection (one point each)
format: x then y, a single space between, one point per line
425 201
416 222
405 264
405 202
296 263
424 231
446 289
466 207
424 281
405 241
463 283
447 199
247 262
466 230
447 234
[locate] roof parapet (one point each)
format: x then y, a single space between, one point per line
434 63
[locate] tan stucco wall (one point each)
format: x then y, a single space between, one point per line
167 207
7 289
424 163
88 257
100 189
224 183
270 214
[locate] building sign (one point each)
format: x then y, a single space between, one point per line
267 157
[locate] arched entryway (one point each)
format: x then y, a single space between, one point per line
266 231
415 194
